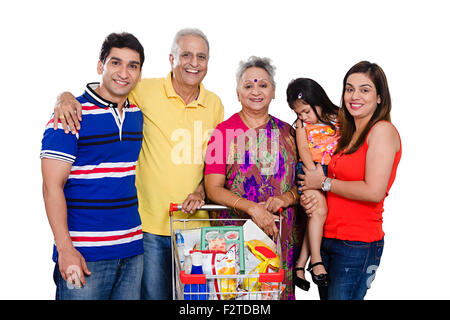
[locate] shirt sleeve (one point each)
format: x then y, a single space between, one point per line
58 145
138 95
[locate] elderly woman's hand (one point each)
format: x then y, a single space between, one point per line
273 204
312 179
264 219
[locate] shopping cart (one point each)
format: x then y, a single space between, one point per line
268 287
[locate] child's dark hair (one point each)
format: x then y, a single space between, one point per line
121 40
310 92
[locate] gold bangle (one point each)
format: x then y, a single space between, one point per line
234 205
293 196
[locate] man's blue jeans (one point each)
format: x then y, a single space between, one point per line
351 265
157 278
117 279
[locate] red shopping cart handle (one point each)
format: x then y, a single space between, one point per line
177 207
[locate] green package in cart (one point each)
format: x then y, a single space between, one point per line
221 238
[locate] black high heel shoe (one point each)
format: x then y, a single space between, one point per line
299 282
323 279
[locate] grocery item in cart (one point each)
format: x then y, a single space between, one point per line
260 256
253 232
268 288
221 263
196 291
186 240
252 284
227 266
180 245
222 238
264 253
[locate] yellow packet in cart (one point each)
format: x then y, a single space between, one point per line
226 265
264 253
252 284
227 285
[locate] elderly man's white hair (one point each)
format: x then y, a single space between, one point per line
187 32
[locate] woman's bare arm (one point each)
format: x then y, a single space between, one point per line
384 143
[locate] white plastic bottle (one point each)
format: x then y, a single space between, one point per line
180 245
196 291
187 265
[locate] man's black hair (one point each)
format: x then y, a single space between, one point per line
121 40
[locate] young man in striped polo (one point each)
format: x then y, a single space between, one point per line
89 184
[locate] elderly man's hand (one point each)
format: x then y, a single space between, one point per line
193 202
68 111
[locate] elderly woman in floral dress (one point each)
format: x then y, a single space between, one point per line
250 164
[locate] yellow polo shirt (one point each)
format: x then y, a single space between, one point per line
171 162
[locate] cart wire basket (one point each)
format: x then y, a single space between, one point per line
264 286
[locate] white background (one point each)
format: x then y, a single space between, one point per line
51 46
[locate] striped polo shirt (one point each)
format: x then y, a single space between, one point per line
102 205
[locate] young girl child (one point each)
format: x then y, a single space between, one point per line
317 136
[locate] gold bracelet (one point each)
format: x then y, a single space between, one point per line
293 196
234 205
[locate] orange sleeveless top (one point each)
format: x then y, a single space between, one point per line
355 220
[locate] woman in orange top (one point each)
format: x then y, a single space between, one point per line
360 175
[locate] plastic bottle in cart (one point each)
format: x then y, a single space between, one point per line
180 245
187 265
196 291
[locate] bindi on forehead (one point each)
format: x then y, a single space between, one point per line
255 80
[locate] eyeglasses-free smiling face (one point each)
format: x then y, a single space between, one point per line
120 72
190 63
255 91
360 96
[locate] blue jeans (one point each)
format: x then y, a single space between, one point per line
117 279
299 170
351 265
157 278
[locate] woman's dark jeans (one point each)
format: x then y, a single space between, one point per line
351 266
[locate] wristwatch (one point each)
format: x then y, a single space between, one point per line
326 185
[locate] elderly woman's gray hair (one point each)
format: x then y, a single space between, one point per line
187 32
257 62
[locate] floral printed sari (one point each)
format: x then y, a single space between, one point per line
263 168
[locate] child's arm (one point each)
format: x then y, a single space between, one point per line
302 144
